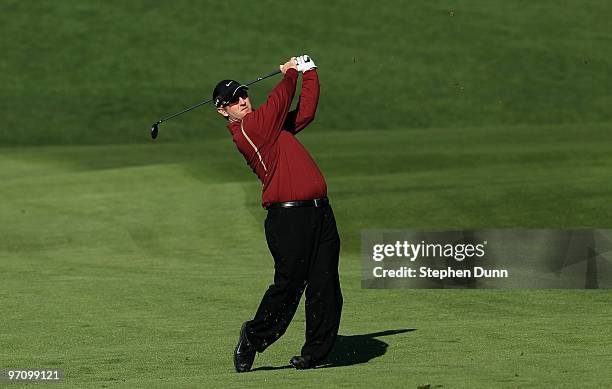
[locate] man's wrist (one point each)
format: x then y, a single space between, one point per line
310 71
293 73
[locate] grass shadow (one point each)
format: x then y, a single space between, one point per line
355 349
263 368
352 350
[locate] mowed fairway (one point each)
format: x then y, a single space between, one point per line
135 265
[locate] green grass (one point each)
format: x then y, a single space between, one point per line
102 72
134 265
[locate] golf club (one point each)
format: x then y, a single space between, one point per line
155 126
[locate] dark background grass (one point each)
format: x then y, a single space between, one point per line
102 72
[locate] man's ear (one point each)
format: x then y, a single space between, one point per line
222 112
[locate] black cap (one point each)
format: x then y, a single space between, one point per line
225 91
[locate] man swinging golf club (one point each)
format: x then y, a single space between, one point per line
300 226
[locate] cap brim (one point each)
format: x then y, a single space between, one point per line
229 97
238 88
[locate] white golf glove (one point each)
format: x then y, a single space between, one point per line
304 63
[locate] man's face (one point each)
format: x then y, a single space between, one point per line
236 109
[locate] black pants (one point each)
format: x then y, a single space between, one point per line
305 245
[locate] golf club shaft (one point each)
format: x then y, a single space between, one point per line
185 110
274 73
209 100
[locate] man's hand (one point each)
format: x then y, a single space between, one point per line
291 64
305 63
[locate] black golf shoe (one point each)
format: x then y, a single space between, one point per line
300 362
244 354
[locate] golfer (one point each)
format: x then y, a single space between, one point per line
300 226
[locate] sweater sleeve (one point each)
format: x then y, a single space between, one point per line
266 122
307 106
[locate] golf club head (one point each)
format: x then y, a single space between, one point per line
155 129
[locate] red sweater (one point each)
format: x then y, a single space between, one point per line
265 137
